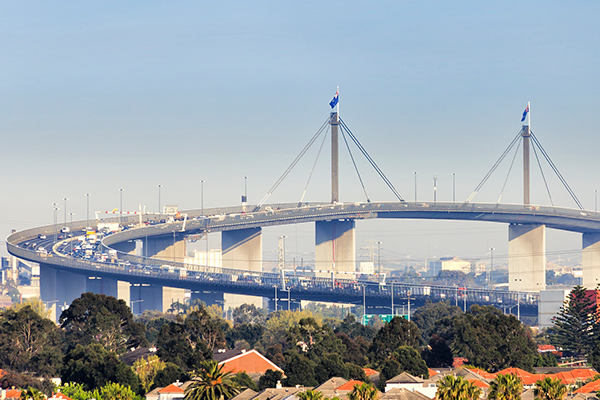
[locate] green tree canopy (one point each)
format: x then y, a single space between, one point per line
398 332
364 391
354 329
489 339
310 395
97 318
29 342
573 326
269 379
249 314
93 366
426 316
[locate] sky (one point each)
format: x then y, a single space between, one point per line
101 96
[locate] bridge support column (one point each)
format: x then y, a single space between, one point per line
170 248
335 247
109 287
591 260
153 297
527 257
241 249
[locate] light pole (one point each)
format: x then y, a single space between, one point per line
275 286
65 199
70 241
435 188
87 198
596 200
454 187
392 283
408 294
415 186
491 265
202 196
379 258
121 206
364 305
159 187
55 210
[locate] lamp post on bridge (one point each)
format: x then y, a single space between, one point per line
491 265
87 198
596 200
435 188
415 186
65 199
159 187
55 210
121 206
454 187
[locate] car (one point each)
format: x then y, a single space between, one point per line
66 229
41 236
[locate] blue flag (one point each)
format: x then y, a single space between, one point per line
525 113
335 99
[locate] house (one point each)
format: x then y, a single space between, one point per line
10 393
171 392
406 381
135 354
248 361
403 394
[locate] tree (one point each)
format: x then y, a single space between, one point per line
97 318
410 361
36 305
269 379
440 354
29 342
300 370
310 395
456 388
116 391
249 314
32 394
354 329
202 327
250 333
74 391
169 374
211 383
15 379
398 332
506 387
573 325
489 339
425 317
549 389
93 366
146 370
356 350
364 391
243 381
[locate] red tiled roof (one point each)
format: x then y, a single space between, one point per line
546 347
349 385
482 373
458 361
580 374
371 371
527 378
431 372
478 383
13 393
171 389
61 396
589 388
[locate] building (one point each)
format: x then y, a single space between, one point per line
448 264
249 361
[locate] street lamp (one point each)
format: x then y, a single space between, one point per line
379 258
159 187
87 195
435 188
491 265
65 199
454 187
202 196
596 200
415 186
55 210
121 206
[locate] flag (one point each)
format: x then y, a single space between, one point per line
335 99
525 113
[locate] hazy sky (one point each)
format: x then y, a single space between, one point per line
98 96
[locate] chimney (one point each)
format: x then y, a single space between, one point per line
278 386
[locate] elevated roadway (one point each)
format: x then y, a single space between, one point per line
143 270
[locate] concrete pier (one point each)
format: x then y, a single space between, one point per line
527 257
591 259
335 248
170 248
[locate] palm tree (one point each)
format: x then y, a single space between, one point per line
211 383
364 391
549 389
310 395
506 387
457 388
32 394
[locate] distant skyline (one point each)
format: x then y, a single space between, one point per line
95 97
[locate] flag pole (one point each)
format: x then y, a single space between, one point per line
338 104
